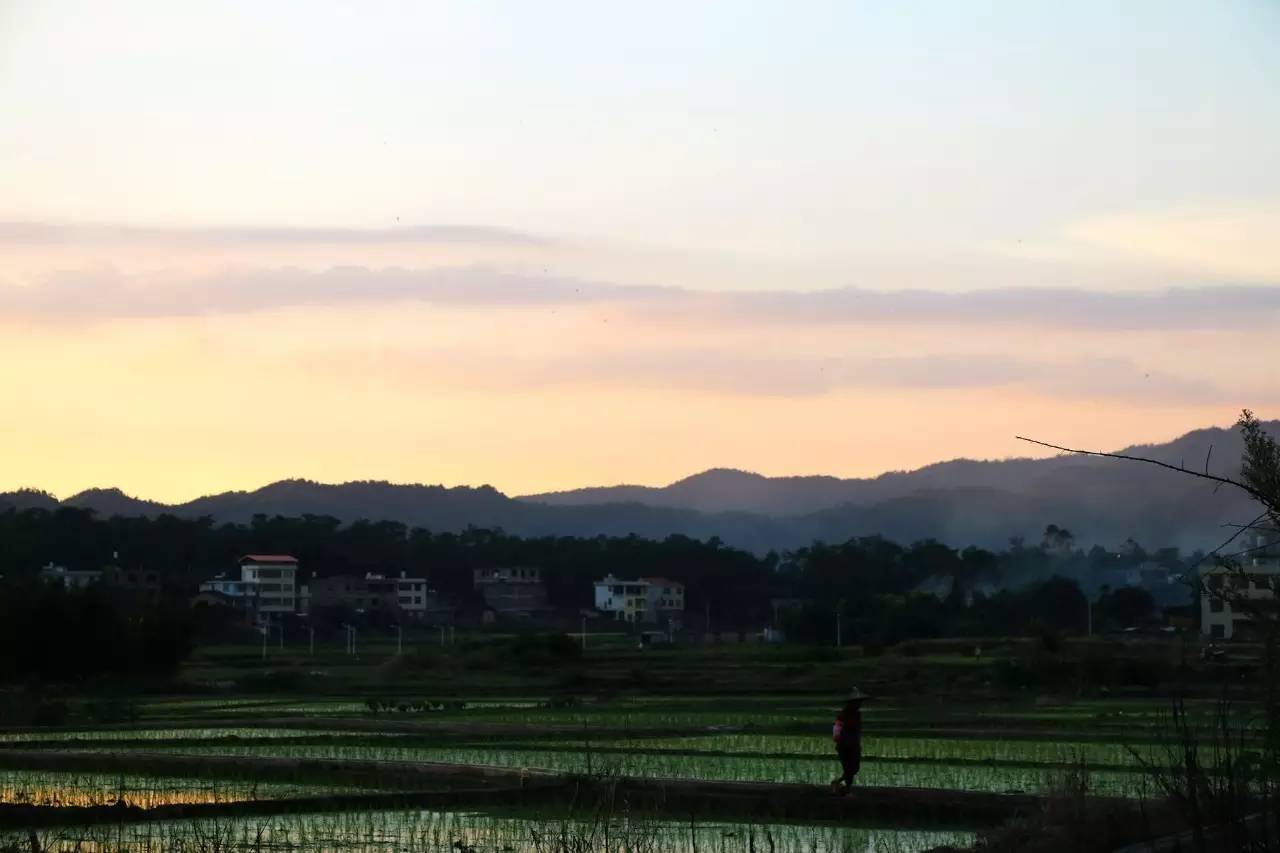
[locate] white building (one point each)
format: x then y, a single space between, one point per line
268 584
411 594
645 600
69 578
1255 580
275 577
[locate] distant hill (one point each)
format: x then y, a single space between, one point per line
27 499
108 502
960 502
729 490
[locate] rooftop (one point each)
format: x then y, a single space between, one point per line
660 581
268 558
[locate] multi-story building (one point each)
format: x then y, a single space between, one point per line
275 579
138 584
373 592
413 596
653 599
506 574
511 591
268 584
69 578
1232 597
370 593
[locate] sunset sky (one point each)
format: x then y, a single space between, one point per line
543 245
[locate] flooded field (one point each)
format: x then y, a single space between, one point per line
1017 750
446 832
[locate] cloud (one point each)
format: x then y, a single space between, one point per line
39 233
1238 243
737 372
109 295
1174 308
746 373
98 295
743 373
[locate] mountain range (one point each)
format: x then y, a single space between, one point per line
961 502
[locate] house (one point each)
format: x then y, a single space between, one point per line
373 592
69 578
213 598
139 584
652 599
1230 597
413 596
1167 587
370 593
511 591
274 578
267 584
232 591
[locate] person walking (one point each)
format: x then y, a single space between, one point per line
846 734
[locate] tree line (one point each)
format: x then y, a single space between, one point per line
879 581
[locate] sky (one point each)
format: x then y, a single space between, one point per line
547 245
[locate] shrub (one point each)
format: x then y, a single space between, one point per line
533 650
25 708
1050 640
111 711
421 660
271 680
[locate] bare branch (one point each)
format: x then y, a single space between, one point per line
1181 469
1240 528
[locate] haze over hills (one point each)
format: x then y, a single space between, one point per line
960 502
726 489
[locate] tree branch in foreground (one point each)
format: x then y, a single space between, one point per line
1223 481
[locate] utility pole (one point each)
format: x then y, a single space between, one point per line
442 636
266 629
399 640
311 633
584 633
839 612
708 616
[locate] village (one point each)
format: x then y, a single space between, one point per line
267 591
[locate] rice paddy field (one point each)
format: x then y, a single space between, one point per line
1021 746
453 832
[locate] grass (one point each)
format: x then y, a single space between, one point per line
452 832
679 764
44 788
